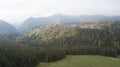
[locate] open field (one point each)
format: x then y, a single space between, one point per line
84 61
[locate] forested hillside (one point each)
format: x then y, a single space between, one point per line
6 37
53 42
99 34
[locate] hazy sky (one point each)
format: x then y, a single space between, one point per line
15 11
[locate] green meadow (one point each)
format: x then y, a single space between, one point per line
84 61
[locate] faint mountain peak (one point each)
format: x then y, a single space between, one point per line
57 15
30 19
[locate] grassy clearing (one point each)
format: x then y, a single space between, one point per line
84 61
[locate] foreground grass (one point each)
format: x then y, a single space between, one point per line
84 61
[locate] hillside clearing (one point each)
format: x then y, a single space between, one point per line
84 61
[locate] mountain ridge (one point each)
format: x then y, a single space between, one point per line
6 27
32 22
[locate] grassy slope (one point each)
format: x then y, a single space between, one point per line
84 61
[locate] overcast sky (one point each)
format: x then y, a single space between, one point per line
15 11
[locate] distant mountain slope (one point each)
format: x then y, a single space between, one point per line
6 27
32 22
7 32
